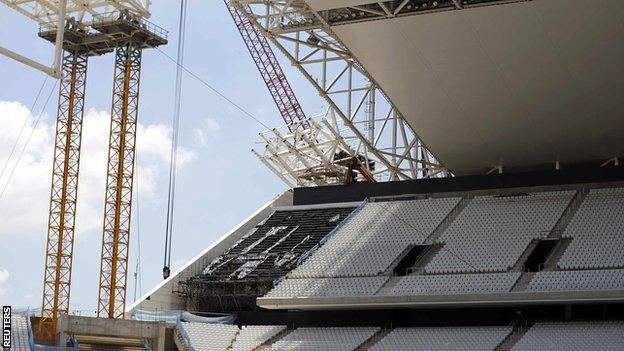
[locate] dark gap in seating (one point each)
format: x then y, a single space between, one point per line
514 195
439 317
415 254
536 260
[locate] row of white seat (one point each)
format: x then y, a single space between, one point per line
581 336
598 250
223 337
569 336
252 336
408 285
604 336
449 284
19 333
503 225
597 232
443 339
608 279
373 237
324 339
326 287
602 211
366 246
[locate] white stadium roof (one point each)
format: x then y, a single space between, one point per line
516 84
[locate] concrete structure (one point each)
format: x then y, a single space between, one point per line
438 301
106 329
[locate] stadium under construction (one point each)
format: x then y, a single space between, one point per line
463 190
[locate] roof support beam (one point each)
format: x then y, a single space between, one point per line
351 93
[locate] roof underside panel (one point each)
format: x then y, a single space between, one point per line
517 85
320 5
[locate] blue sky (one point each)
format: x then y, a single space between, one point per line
219 183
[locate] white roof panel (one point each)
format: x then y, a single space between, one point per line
516 84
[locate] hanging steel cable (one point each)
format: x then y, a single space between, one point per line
21 132
32 131
174 142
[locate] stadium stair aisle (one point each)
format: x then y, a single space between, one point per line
513 338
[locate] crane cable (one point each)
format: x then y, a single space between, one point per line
32 131
21 132
174 142
138 278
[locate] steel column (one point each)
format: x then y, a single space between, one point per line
64 191
117 210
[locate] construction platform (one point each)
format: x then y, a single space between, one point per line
104 35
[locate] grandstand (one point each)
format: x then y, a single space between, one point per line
267 252
487 248
489 262
21 337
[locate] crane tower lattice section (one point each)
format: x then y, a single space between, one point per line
119 181
64 192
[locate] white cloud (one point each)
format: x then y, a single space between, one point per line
24 206
207 127
211 124
4 277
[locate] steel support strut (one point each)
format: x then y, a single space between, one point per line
64 191
117 209
367 115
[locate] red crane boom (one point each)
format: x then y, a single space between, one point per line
270 70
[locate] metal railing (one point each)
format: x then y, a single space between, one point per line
111 18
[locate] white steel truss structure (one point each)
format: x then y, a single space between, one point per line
315 155
364 112
379 10
53 14
83 11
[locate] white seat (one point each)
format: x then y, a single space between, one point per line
372 238
503 225
581 336
443 339
455 284
324 339
612 279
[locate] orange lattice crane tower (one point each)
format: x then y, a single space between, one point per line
127 35
119 181
64 190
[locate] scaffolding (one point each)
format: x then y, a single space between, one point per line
323 153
